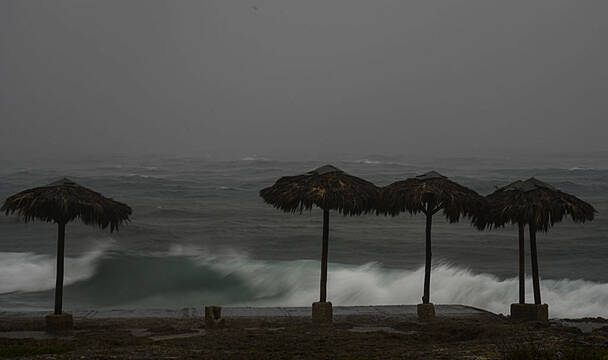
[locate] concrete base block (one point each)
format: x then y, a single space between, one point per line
322 313
530 312
59 323
426 312
213 317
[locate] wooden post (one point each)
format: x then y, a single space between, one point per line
59 282
427 266
522 266
323 297
534 256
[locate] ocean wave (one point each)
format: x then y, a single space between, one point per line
170 213
576 168
229 188
254 158
367 162
143 176
375 162
139 175
193 277
35 272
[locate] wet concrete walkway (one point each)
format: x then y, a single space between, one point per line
404 312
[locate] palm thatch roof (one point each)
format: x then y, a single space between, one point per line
63 201
431 192
327 187
533 202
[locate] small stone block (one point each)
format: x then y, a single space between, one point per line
530 312
213 317
322 313
426 312
58 323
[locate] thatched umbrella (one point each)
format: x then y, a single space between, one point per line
538 205
61 202
329 188
428 194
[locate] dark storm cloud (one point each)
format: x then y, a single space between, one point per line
292 78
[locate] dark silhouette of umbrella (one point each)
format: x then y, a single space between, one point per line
329 188
429 194
538 205
61 202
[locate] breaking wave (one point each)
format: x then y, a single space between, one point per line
188 277
33 272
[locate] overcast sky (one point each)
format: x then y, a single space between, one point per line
291 78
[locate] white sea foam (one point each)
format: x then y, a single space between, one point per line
234 279
35 272
296 283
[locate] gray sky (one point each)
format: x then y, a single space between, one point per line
291 78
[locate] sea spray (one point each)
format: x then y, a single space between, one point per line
192 277
27 272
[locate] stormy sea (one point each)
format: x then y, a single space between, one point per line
200 234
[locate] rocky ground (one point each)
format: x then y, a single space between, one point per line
263 338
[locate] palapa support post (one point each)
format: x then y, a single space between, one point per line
522 266
59 322
427 265
537 311
59 274
323 294
213 317
522 311
322 312
426 310
534 256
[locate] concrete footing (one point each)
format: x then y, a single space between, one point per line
322 313
58 323
213 317
530 312
426 312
